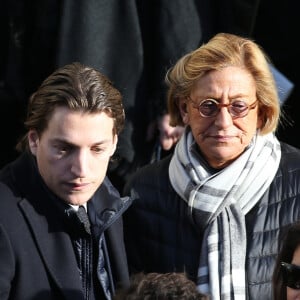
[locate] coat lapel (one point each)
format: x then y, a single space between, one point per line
56 250
48 228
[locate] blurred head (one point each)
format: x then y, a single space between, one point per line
286 276
168 135
230 71
73 122
156 286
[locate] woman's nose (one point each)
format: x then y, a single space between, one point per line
223 119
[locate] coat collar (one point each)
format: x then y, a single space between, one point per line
46 218
48 227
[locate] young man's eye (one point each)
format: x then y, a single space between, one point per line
98 149
62 149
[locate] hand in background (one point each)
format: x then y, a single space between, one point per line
168 135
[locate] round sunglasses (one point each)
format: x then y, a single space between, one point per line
290 275
209 108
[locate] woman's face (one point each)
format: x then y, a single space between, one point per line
293 294
222 138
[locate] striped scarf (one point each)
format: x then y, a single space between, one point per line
223 199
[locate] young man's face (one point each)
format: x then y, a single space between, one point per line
73 153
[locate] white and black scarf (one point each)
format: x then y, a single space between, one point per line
223 199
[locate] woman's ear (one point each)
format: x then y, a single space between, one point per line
183 108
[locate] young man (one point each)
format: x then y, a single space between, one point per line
60 217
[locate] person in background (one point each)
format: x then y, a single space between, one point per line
215 208
155 286
163 136
286 276
61 233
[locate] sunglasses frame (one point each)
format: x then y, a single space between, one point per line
229 107
290 275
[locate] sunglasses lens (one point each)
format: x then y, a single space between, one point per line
208 108
291 275
239 108
293 283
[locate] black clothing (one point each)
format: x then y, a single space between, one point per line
160 235
37 258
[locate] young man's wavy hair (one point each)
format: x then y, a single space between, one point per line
78 87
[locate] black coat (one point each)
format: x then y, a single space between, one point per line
160 235
37 259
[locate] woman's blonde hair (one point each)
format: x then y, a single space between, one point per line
221 51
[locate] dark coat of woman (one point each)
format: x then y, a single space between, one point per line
170 237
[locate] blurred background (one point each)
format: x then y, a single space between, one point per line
133 42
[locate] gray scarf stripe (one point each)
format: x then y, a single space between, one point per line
219 197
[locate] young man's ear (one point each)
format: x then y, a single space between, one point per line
33 141
114 145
